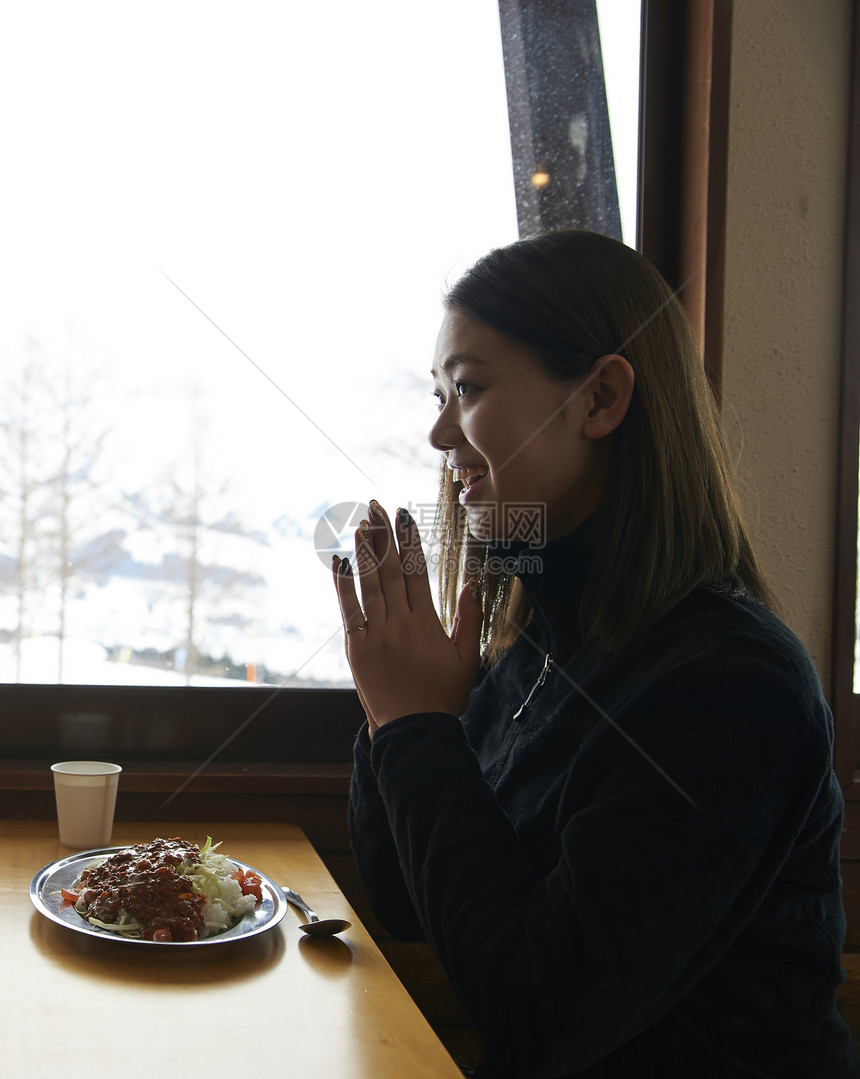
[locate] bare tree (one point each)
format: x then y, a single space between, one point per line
53 493
193 508
79 494
24 481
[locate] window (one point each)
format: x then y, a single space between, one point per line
224 242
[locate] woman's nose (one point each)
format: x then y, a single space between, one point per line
445 433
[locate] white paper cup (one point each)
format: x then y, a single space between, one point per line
86 797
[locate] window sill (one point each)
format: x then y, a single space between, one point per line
165 777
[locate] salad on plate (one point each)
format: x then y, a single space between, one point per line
166 890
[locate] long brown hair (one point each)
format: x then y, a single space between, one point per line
668 519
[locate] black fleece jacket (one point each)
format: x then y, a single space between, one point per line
637 873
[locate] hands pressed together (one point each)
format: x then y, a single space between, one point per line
402 659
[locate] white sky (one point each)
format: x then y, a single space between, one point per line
309 174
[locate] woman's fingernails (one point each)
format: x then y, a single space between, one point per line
404 518
375 510
345 567
364 529
474 586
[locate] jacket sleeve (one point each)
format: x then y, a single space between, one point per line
657 876
374 849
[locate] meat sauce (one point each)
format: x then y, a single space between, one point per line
143 882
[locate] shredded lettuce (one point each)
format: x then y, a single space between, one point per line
131 926
213 877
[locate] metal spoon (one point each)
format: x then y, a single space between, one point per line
316 926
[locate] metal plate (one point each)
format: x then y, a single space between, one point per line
45 894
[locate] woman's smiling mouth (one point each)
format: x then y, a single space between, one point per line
469 477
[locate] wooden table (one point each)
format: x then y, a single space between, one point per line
277 1004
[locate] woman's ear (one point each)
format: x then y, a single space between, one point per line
610 389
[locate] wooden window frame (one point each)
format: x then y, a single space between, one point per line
684 105
845 702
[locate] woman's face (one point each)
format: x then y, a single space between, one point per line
513 436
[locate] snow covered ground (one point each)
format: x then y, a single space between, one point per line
279 615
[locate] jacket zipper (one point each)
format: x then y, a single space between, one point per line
541 678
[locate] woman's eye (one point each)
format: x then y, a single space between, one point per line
461 389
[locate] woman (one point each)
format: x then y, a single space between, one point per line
619 832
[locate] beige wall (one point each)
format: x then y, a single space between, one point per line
787 143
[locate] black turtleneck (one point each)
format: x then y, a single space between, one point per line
636 874
554 577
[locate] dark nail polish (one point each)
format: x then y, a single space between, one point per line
404 518
345 568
